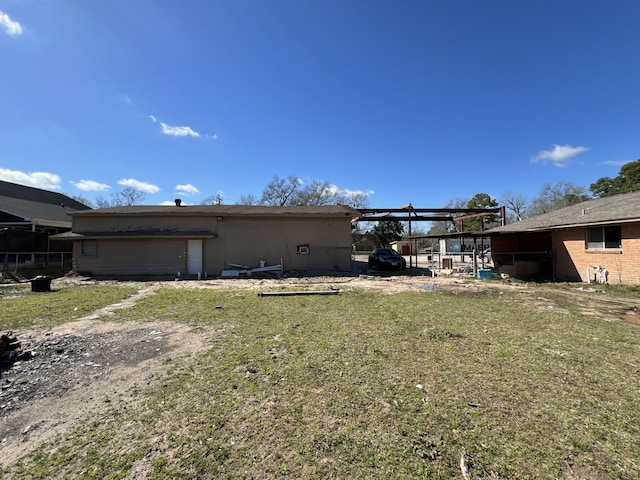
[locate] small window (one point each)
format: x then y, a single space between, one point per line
89 248
604 237
303 249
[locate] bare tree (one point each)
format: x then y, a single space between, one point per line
554 197
458 202
249 199
281 191
356 200
129 196
82 200
126 197
102 202
323 192
290 191
439 228
516 203
318 192
213 200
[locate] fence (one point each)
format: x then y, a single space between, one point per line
14 261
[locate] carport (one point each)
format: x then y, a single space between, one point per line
454 216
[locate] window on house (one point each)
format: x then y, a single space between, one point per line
89 248
604 237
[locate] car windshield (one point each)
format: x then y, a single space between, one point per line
386 251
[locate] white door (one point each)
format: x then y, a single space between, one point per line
194 257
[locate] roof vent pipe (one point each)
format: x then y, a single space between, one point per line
178 202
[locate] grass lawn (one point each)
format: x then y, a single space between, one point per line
366 385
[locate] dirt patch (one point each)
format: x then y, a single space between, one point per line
78 367
596 302
384 283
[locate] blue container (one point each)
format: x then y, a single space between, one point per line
484 273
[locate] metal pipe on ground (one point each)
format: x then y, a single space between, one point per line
303 292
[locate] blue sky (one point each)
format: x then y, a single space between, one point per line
409 101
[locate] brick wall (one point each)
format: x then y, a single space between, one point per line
573 260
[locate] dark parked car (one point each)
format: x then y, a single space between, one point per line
386 258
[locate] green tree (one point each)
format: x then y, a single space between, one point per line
387 231
628 180
481 200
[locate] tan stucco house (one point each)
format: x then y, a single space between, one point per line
593 241
206 239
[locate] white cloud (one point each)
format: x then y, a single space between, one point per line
616 163
345 192
90 186
178 131
350 193
559 156
9 26
44 180
138 185
187 189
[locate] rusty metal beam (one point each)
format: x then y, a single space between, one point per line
407 218
473 215
428 210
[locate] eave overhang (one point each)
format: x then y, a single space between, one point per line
133 235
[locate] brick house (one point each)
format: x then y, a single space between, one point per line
597 240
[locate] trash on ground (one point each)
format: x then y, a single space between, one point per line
238 270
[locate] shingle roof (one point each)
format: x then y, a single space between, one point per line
614 209
224 210
22 192
36 205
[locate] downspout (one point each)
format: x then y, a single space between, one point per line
411 246
33 255
5 267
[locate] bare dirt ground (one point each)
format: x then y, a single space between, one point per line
78 366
